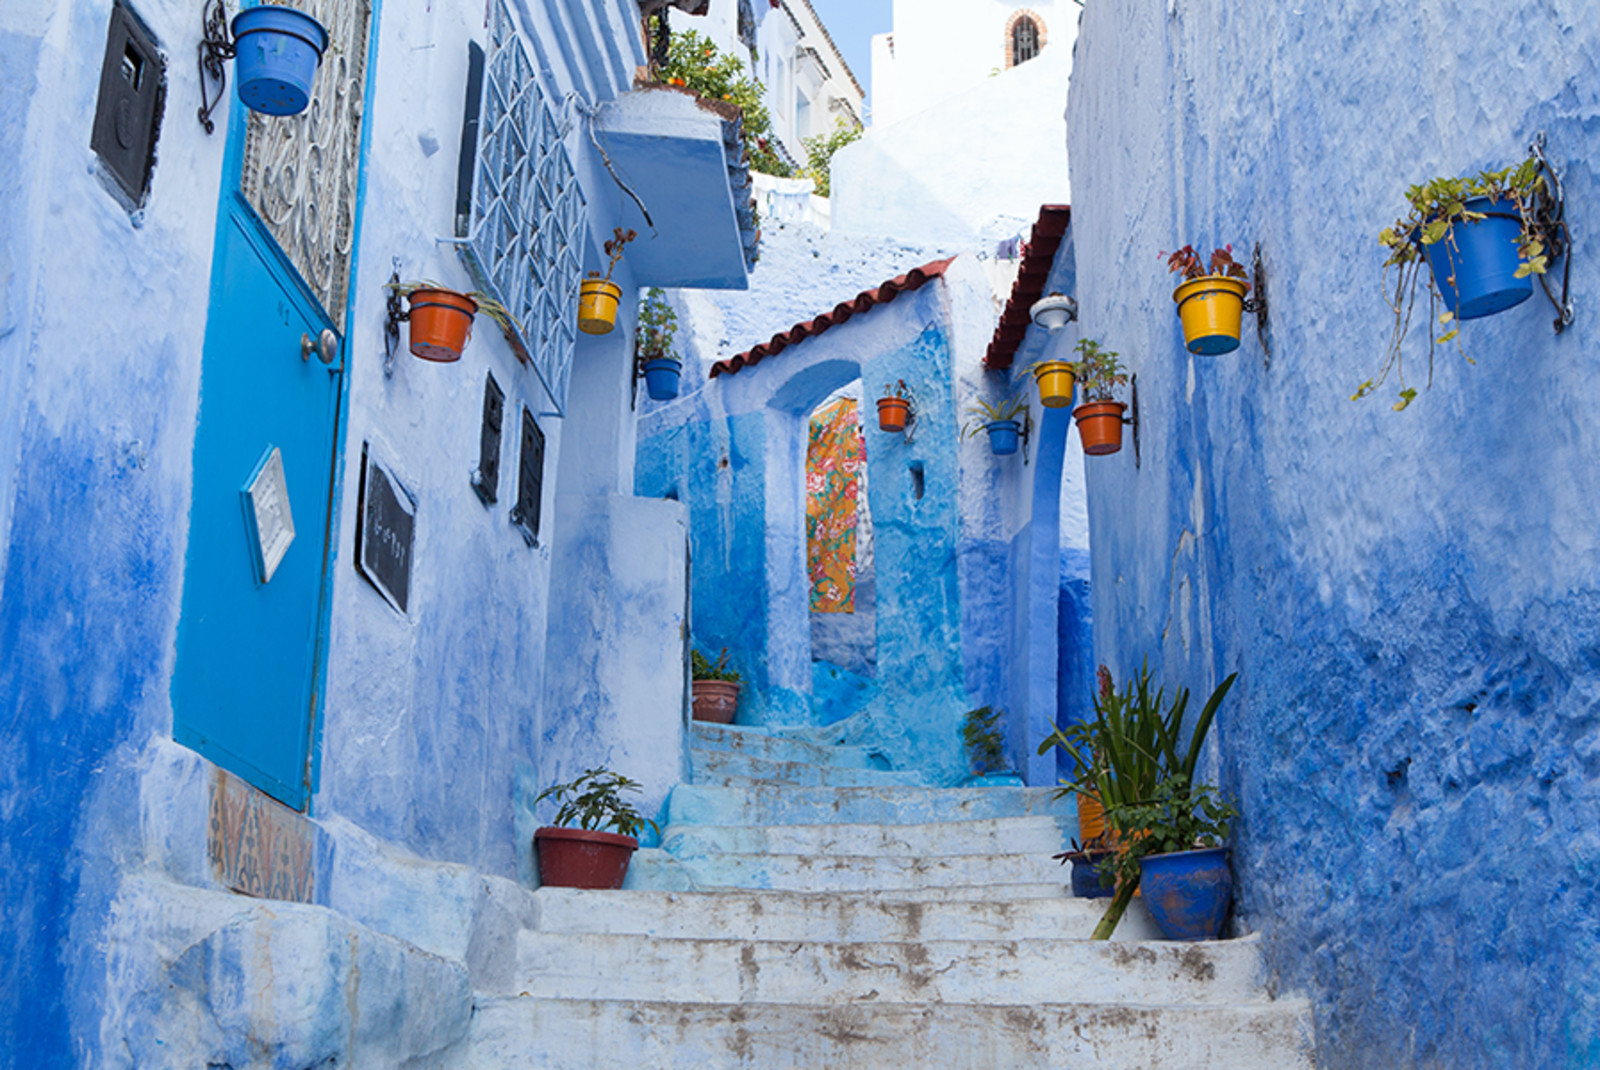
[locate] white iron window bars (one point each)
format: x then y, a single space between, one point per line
522 236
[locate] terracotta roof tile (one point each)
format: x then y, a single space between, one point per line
864 301
1037 258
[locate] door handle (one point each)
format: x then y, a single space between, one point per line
326 347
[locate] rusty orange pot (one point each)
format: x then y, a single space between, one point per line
1100 426
893 414
441 324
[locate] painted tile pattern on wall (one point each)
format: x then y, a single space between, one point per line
835 457
257 845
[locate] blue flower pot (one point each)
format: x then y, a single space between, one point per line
1475 265
1003 436
661 378
1087 880
1187 892
277 53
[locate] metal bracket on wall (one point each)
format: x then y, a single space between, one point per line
215 50
396 314
911 413
1548 210
1257 303
1133 420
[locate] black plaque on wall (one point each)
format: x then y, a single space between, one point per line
386 526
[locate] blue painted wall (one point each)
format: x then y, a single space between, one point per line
1411 599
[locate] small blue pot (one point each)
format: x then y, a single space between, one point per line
277 53
1475 265
1187 892
1003 436
661 378
1087 880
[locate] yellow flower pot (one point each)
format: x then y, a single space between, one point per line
1055 383
1210 308
597 306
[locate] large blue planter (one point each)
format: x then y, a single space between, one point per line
277 53
1003 435
661 378
1087 880
1475 265
1188 892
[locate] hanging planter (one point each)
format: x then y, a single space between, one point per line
894 408
661 378
1210 304
655 346
1100 416
1055 381
441 323
1001 421
1478 265
1004 436
598 297
277 52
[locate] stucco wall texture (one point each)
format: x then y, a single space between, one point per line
1411 599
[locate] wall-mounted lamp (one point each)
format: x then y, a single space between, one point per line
1054 312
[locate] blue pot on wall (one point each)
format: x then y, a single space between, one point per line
1187 892
1475 265
1003 435
661 378
277 51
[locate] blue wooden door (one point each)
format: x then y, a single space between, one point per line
245 687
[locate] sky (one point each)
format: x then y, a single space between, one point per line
851 24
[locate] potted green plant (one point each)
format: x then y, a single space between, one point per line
1173 847
1134 742
1093 872
894 407
715 687
1210 299
1482 242
984 742
1099 418
440 318
597 296
656 346
577 852
1006 421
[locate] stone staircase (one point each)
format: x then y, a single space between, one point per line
810 910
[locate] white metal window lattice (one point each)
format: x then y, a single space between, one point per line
300 172
528 213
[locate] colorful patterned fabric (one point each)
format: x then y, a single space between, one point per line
836 458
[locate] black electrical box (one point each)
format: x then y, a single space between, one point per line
127 118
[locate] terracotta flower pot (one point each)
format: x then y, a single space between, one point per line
579 858
715 700
597 306
441 324
1100 426
893 414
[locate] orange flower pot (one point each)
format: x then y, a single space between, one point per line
893 414
597 306
441 324
1100 426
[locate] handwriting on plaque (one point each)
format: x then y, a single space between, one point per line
267 515
386 527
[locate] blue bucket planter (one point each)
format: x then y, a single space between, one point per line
1475 265
1187 892
1003 436
1087 880
661 378
277 51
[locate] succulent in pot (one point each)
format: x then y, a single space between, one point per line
1006 421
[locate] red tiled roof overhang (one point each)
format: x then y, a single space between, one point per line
1037 257
914 279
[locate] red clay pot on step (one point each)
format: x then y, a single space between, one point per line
715 700
579 858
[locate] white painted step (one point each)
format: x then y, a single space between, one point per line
630 967
833 918
868 873
759 743
1045 835
732 767
767 804
522 1034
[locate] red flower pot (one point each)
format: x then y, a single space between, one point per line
579 858
1100 426
441 324
715 700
